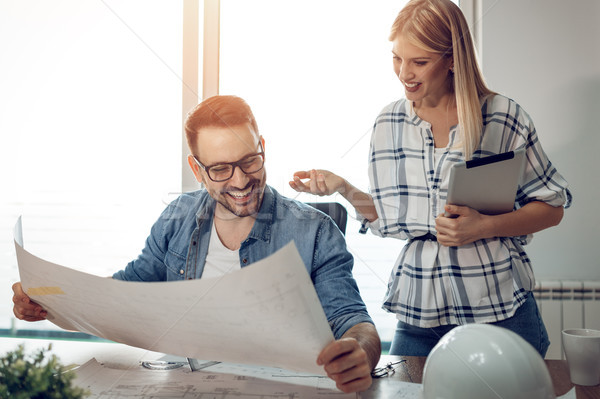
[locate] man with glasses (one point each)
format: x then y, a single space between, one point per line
237 220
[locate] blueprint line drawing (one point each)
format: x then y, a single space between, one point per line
182 383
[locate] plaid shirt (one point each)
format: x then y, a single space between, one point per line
431 284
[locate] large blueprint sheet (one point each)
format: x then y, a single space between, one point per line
266 314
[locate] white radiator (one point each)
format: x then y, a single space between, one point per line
567 304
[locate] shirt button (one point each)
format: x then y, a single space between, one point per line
181 271
193 242
244 261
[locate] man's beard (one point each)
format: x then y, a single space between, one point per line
251 206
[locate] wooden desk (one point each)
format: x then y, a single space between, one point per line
123 356
412 371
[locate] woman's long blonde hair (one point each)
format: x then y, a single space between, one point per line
439 26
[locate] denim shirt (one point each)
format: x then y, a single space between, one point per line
178 244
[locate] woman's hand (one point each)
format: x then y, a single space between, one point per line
321 182
462 226
466 225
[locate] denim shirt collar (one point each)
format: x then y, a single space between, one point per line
265 218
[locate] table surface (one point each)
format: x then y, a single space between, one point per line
122 356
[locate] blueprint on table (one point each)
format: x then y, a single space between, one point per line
220 381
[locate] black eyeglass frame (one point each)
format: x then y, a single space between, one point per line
233 165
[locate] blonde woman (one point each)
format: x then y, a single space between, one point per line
471 268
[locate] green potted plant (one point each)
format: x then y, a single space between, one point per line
36 376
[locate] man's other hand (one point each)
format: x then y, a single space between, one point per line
24 308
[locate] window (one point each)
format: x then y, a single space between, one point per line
90 118
91 109
316 74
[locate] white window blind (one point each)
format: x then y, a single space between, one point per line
91 108
316 74
90 121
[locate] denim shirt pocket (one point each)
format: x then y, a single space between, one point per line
175 266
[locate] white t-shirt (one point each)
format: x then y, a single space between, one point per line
220 260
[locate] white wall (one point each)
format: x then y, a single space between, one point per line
545 54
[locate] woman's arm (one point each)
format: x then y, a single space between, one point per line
322 182
470 225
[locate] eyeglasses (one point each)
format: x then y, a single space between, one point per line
387 370
224 171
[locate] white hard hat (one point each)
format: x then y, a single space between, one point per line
481 361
